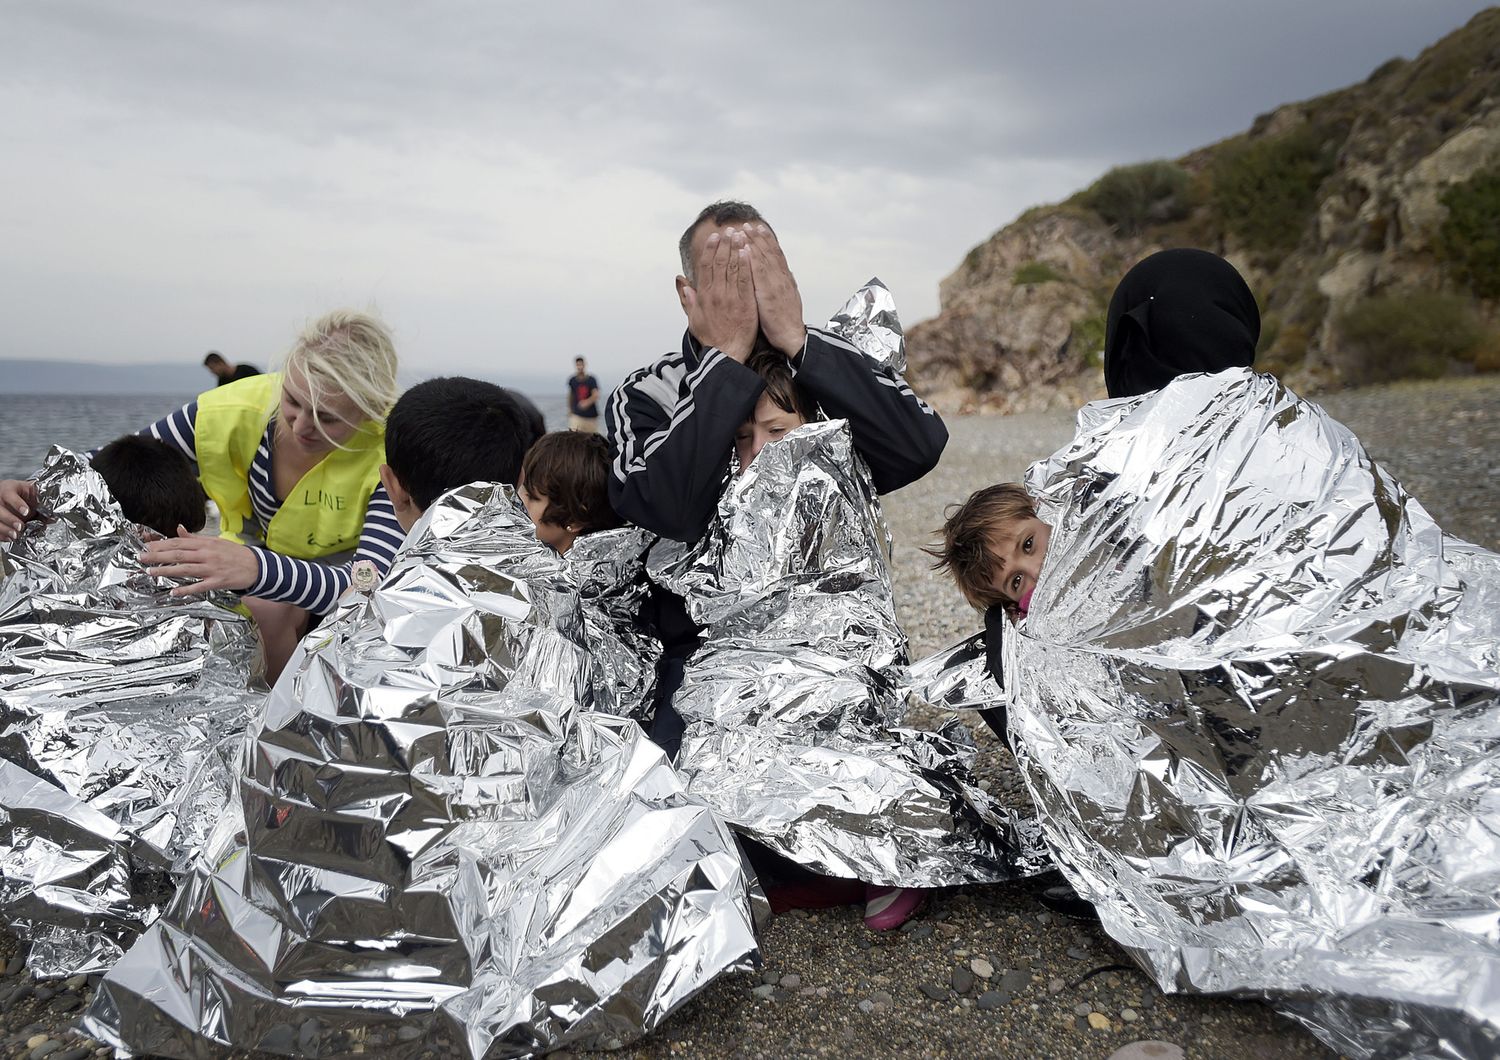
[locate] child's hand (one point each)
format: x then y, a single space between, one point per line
17 504
216 562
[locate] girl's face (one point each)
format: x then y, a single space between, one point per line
767 423
1016 554
337 420
559 537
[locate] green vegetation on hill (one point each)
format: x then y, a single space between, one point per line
1411 334
1265 192
1036 272
1130 198
1469 240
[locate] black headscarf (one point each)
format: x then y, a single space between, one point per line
1177 312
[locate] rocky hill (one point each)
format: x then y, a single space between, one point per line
1367 221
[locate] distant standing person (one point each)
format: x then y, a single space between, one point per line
583 399
227 372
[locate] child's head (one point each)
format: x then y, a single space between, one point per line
993 545
783 405
451 431
565 487
153 483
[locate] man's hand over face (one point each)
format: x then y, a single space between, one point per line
777 299
721 303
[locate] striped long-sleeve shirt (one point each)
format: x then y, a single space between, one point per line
305 583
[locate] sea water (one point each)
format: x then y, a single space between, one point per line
30 424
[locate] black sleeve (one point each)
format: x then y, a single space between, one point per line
670 455
897 433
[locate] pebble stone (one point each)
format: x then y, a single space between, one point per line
981 967
993 999
962 980
1099 1021
1148 1050
1129 1015
934 991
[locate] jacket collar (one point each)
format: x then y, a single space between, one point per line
692 350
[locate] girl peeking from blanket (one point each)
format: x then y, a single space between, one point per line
994 545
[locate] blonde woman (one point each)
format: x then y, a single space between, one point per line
292 460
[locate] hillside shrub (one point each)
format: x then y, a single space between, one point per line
1469 240
1036 272
1265 192
1412 334
1128 198
1087 340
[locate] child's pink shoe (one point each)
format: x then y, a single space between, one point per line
887 908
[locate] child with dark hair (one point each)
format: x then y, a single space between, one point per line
448 432
783 406
153 483
565 486
994 545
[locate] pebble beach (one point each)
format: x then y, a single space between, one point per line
984 971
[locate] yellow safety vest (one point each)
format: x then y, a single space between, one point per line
323 515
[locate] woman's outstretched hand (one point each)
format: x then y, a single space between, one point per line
213 562
17 504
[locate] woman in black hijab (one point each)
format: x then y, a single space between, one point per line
1174 313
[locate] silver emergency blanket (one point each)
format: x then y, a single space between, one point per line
433 849
116 699
793 705
956 677
1257 703
609 567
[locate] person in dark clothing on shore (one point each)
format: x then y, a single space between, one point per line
583 399
672 424
227 372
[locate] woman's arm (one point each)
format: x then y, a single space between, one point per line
217 563
179 430
318 586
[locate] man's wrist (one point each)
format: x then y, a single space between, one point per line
794 347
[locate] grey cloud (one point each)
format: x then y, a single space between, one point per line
690 91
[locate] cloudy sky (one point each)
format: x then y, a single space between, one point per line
506 182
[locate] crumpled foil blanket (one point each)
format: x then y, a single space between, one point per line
610 569
434 850
1257 704
794 702
113 696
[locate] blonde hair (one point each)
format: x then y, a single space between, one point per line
349 353
988 516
